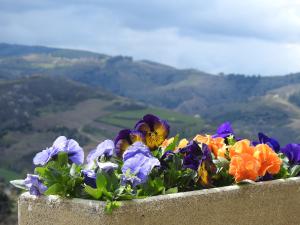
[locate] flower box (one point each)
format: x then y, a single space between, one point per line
271 202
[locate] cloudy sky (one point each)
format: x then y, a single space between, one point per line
240 36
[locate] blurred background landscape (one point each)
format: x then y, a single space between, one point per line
87 70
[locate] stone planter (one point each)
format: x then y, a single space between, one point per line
272 202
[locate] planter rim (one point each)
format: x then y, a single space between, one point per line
232 188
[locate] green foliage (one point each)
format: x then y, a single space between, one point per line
231 140
295 170
285 170
57 176
111 205
108 189
172 146
154 186
175 176
222 178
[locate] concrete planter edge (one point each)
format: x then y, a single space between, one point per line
270 202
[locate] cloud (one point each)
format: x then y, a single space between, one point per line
249 36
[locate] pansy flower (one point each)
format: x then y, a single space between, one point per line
270 162
104 149
138 164
244 166
166 143
34 185
199 159
89 177
165 158
182 143
292 152
61 144
241 147
224 130
264 139
206 168
214 144
125 138
154 129
192 155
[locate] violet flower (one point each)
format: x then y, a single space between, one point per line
200 160
264 139
61 144
138 164
136 148
192 155
34 185
224 130
125 138
107 166
89 177
154 129
165 158
105 148
292 151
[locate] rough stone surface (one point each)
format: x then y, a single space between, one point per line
273 202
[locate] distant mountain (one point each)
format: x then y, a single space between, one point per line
251 103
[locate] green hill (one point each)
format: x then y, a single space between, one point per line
37 109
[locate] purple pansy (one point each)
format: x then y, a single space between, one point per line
292 151
206 167
105 148
107 166
200 160
224 130
136 148
138 164
154 129
165 157
192 155
264 139
89 177
267 177
61 144
125 138
34 185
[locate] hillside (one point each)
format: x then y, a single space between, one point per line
252 103
35 110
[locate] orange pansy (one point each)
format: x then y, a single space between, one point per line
183 143
240 147
244 166
270 162
214 144
167 142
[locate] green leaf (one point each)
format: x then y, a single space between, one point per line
111 205
295 170
62 158
222 163
40 171
101 181
19 184
172 190
54 189
94 192
174 143
107 194
231 140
